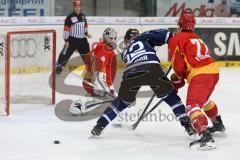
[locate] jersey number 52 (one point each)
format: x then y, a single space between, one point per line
134 51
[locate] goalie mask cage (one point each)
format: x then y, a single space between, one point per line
27 68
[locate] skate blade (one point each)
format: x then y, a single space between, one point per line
207 146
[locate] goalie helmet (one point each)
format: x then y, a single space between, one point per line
76 3
130 33
109 36
187 22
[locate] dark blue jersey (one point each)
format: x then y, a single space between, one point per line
140 50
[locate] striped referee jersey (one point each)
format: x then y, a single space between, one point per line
75 26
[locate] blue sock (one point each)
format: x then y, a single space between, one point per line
111 112
178 108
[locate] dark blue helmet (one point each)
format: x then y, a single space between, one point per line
130 33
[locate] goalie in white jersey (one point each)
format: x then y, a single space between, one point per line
100 73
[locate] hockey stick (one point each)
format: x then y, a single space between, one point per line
153 108
134 126
144 114
97 103
131 127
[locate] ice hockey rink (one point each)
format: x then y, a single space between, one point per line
29 132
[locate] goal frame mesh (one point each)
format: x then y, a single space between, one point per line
8 64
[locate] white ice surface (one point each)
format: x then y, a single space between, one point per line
28 133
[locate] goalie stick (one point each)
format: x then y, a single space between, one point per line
144 114
96 103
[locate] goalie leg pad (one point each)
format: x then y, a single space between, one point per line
111 112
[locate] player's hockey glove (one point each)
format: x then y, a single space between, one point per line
178 83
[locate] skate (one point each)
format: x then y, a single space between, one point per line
190 130
206 142
97 130
186 123
76 107
218 128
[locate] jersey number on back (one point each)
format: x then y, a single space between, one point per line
200 47
134 51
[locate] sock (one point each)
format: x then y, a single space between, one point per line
178 108
111 112
211 110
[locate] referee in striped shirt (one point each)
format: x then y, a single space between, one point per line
75 33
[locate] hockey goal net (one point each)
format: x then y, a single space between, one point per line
27 62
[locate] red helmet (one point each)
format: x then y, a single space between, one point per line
77 3
187 22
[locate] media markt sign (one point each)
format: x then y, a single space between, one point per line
203 8
26 8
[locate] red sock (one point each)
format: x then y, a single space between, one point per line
211 110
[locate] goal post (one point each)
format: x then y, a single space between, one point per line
27 68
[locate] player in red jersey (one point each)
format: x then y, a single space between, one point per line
101 66
191 61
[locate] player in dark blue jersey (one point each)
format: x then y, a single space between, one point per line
140 49
143 68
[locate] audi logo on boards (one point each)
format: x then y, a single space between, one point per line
23 47
29 47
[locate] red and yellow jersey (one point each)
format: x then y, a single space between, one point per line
189 56
101 59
